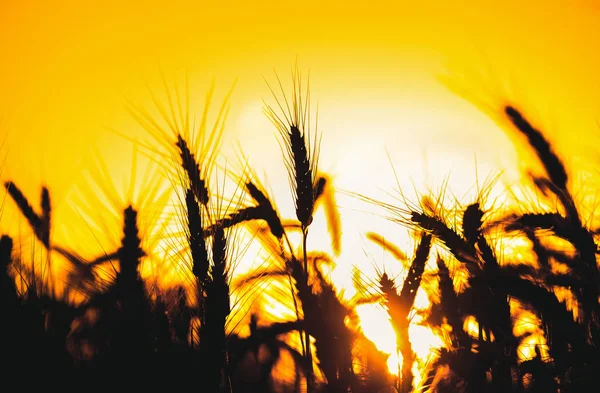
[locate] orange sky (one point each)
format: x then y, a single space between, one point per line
70 67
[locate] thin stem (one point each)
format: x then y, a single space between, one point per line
309 369
292 289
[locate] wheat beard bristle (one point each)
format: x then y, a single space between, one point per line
192 168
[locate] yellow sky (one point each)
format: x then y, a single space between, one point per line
70 67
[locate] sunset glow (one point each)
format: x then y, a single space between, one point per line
408 102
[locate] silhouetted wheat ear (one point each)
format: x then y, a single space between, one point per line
471 224
554 222
237 217
307 298
263 211
269 213
399 306
217 310
395 309
303 177
219 293
8 290
46 222
196 240
415 273
218 306
130 251
309 305
457 245
6 246
388 287
539 250
320 186
551 162
448 298
192 168
257 194
333 340
325 196
219 254
393 249
24 206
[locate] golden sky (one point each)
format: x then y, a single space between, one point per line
390 79
69 68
